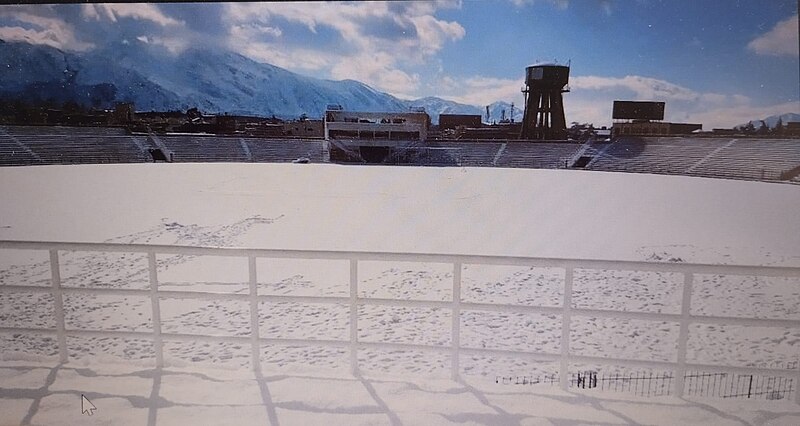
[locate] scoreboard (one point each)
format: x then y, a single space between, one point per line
638 110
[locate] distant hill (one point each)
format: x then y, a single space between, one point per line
772 120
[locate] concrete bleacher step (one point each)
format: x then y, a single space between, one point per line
754 159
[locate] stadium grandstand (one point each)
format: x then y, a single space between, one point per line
759 159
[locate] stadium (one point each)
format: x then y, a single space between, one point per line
369 266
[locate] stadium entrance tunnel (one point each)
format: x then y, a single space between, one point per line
374 154
628 147
582 162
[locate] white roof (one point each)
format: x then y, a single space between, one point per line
546 64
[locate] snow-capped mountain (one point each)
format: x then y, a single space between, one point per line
772 120
435 106
213 80
42 73
496 112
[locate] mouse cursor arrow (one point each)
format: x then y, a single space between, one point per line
86 406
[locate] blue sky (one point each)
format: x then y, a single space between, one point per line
718 62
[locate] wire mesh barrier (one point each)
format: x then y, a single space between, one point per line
548 379
732 385
463 319
641 384
697 383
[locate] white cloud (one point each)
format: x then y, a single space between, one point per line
174 45
380 41
113 12
482 91
377 71
246 40
433 33
644 88
256 29
781 40
296 58
49 31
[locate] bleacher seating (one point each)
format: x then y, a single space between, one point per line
284 150
730 158
13 154
473 153
537 155
431 154
757 159
65 130
198 149
39 145
654 155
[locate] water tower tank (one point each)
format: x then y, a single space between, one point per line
547 75
544 105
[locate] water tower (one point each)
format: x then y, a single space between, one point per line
544 106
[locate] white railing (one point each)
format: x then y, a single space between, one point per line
456 305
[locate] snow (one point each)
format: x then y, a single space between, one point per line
545 64
208 317
289 320
512 285
14 408
73 380
27 310
548 213
182 397
303 277
62 408
628 291
189 389
17 378
221 416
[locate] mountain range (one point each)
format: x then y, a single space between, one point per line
215 81
772 120
212 80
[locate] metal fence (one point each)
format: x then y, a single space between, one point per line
733 385
640 383
697 383
565 357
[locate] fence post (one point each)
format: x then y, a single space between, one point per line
797 386
683 336
158 345
58 307
565 326
255 333
354 316
456 322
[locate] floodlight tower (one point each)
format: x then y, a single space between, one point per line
544 106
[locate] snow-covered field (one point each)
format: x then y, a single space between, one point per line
535 213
